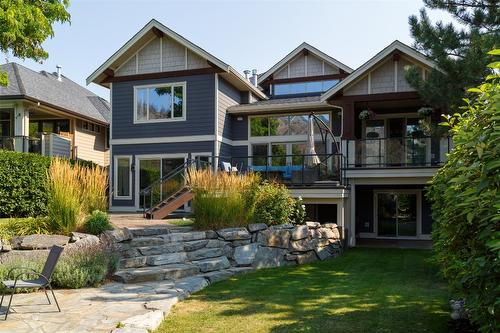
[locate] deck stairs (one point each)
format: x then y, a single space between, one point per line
170 204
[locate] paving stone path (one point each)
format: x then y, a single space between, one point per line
139 307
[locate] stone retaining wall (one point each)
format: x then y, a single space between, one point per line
149 254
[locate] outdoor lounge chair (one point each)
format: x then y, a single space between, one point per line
43 280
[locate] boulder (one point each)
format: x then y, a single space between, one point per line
184 236
330 225
160 249
303 245
216 276
87 241
135 262
147 241
274 238
245 255
283 226
241 242
205 253
269 257
313 225
326 233
118 235
210 234
254 227
306 258
150 231
212 264
290 256
231 234
195 245
149 321
167 258
34 242
300 232
216 243
324 252
191 284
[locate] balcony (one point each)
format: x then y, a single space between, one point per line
49 144
403 152
293 170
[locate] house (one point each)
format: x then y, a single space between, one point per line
49 114
172 101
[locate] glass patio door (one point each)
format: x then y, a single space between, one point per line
397 214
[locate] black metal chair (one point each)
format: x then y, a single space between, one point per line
42 282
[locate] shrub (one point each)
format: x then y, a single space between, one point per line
65 206
466 206
25 226
97 223
298 215
23 184
222 199
273 204
77 268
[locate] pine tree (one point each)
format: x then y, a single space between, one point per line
459 49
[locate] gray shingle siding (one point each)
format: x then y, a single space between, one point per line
200 113
228 96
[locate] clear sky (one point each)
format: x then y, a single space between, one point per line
244 34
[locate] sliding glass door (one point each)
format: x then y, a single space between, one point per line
396 214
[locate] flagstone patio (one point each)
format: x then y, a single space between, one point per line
137 306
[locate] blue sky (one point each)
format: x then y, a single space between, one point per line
245 34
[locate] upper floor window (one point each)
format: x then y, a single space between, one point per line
158 103
89 127
303 87
296 124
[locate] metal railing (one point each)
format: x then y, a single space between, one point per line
397 152
21 143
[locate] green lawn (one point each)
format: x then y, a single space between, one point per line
181 222
366 290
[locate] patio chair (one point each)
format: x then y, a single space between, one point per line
42 281
227 167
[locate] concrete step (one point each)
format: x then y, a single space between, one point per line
157 273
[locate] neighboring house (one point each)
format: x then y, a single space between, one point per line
171 99
49 114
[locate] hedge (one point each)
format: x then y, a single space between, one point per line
23 184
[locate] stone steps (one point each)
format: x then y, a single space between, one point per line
166 272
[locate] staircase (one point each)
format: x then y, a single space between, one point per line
167 206
155 254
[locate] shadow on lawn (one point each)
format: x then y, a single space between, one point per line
366 290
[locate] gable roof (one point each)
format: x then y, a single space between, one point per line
99 74
360 71
44 87
297 51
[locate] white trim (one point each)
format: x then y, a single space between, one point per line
150 157
305 65
115 179
298 50
185 58
385 172
360 71
250 108
172 85
164 139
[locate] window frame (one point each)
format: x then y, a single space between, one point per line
161 85
115 177
289 136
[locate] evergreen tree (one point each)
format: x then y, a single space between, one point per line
460 50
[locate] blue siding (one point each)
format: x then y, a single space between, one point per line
200 113
156 149
239 128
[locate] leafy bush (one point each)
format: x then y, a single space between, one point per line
273 204
298 215
222 199
466 206
97 223
23 184
25 226
65 206
77 268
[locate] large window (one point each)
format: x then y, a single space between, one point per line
123 177
6 122
160 103
303 87
284 125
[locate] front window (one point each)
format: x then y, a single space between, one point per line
160 103
303 87
123 176
285 125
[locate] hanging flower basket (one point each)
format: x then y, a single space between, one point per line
366 114
425 111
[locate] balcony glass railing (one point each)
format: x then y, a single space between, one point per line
397 152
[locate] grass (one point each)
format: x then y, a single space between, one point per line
366 290
181 222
